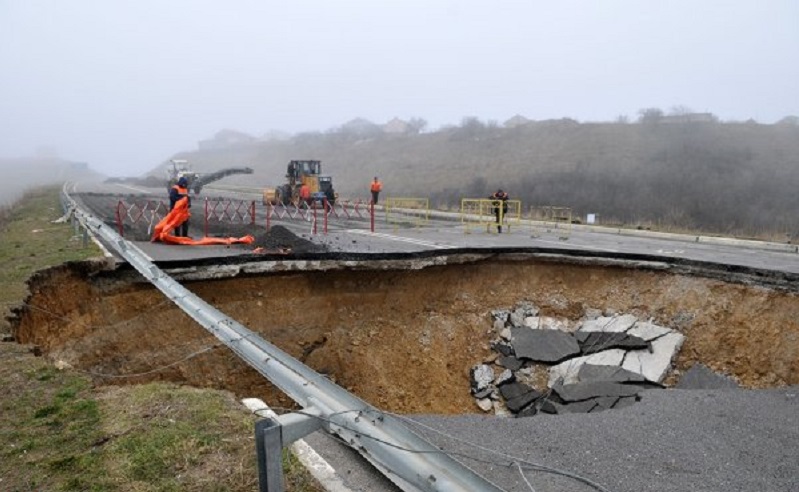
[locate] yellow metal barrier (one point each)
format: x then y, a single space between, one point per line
413 212
481 212
551 219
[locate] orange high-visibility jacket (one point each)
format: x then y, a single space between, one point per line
377 186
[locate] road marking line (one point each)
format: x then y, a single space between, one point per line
418 242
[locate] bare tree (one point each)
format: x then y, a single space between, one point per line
417 125
650 116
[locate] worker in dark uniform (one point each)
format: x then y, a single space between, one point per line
178 191
500 204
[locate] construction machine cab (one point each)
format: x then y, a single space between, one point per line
299 173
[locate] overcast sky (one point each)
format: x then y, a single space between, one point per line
125 84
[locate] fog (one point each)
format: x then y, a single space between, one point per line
124 85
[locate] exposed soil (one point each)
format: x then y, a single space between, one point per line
403 340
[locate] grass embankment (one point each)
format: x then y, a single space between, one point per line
60 432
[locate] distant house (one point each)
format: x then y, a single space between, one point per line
224 139
396 125
689 118
515 121
360 127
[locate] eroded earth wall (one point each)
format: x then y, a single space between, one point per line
403 340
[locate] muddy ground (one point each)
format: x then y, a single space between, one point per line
403 340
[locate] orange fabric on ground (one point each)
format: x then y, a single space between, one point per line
179 214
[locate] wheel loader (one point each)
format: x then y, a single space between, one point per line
300 173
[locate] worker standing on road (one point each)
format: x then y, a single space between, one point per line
500 204
305 195
178 192
376 188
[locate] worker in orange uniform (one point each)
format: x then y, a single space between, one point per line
305 195
376 188
500 204
178 192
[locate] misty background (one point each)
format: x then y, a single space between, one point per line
118 88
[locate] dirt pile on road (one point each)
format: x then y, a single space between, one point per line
404 340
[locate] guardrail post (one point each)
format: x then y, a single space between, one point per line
268 215
372 214
269 448
252 213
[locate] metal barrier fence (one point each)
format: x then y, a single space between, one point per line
215 211
413 212
481 212
148 211
219 210
316 211
550 219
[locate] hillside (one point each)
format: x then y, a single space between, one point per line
732 178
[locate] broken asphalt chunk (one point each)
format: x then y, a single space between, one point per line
592 342
518 395
543 345
594 389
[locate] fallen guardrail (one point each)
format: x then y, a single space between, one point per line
407 459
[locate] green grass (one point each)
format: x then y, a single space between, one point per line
58 432
30 241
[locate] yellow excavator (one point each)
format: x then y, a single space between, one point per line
300 173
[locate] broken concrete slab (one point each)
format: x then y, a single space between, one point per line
481 377
503 348
484 404
547 323
614 374
528 411
500 315
578 407
546 405
510 362
543 345
699 376
655 364
504 377
483 393
648 331
596 341
568 370
594 389
612 324
518 395
500 410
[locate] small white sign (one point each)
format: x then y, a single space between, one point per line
591 219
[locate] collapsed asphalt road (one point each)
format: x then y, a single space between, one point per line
403 332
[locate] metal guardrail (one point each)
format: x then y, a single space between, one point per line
410 461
